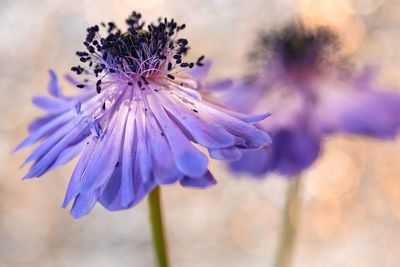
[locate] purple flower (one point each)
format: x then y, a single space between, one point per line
311 92
135 119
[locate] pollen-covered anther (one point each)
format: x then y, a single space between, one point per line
136 55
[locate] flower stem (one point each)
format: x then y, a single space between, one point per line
157 228
289 224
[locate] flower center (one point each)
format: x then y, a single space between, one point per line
299 47
296 49
136 55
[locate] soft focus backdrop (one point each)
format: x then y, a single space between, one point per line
351 197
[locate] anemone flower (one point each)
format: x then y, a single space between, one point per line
312 91
135 120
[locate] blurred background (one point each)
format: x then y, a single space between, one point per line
350 199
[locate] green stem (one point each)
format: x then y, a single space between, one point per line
289 224
159 242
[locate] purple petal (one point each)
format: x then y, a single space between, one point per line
366 112
54 138
242 116
77 175
255 162
129 150
133 186
202 132
230 153
205 181
53 87
188 159
36 124
51 104
365 77
84 203
243 97
68 154
106 154
50 156
293 150
200 73
253 136
96 129
144 158
45 130
164 170
110 198
218 85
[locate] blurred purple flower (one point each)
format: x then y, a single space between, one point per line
135 119
311 92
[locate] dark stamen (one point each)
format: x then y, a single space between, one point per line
137 53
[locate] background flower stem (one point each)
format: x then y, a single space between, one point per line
290 223
157 228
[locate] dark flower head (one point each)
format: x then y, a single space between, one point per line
300 51
136 119
135 56
303 82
